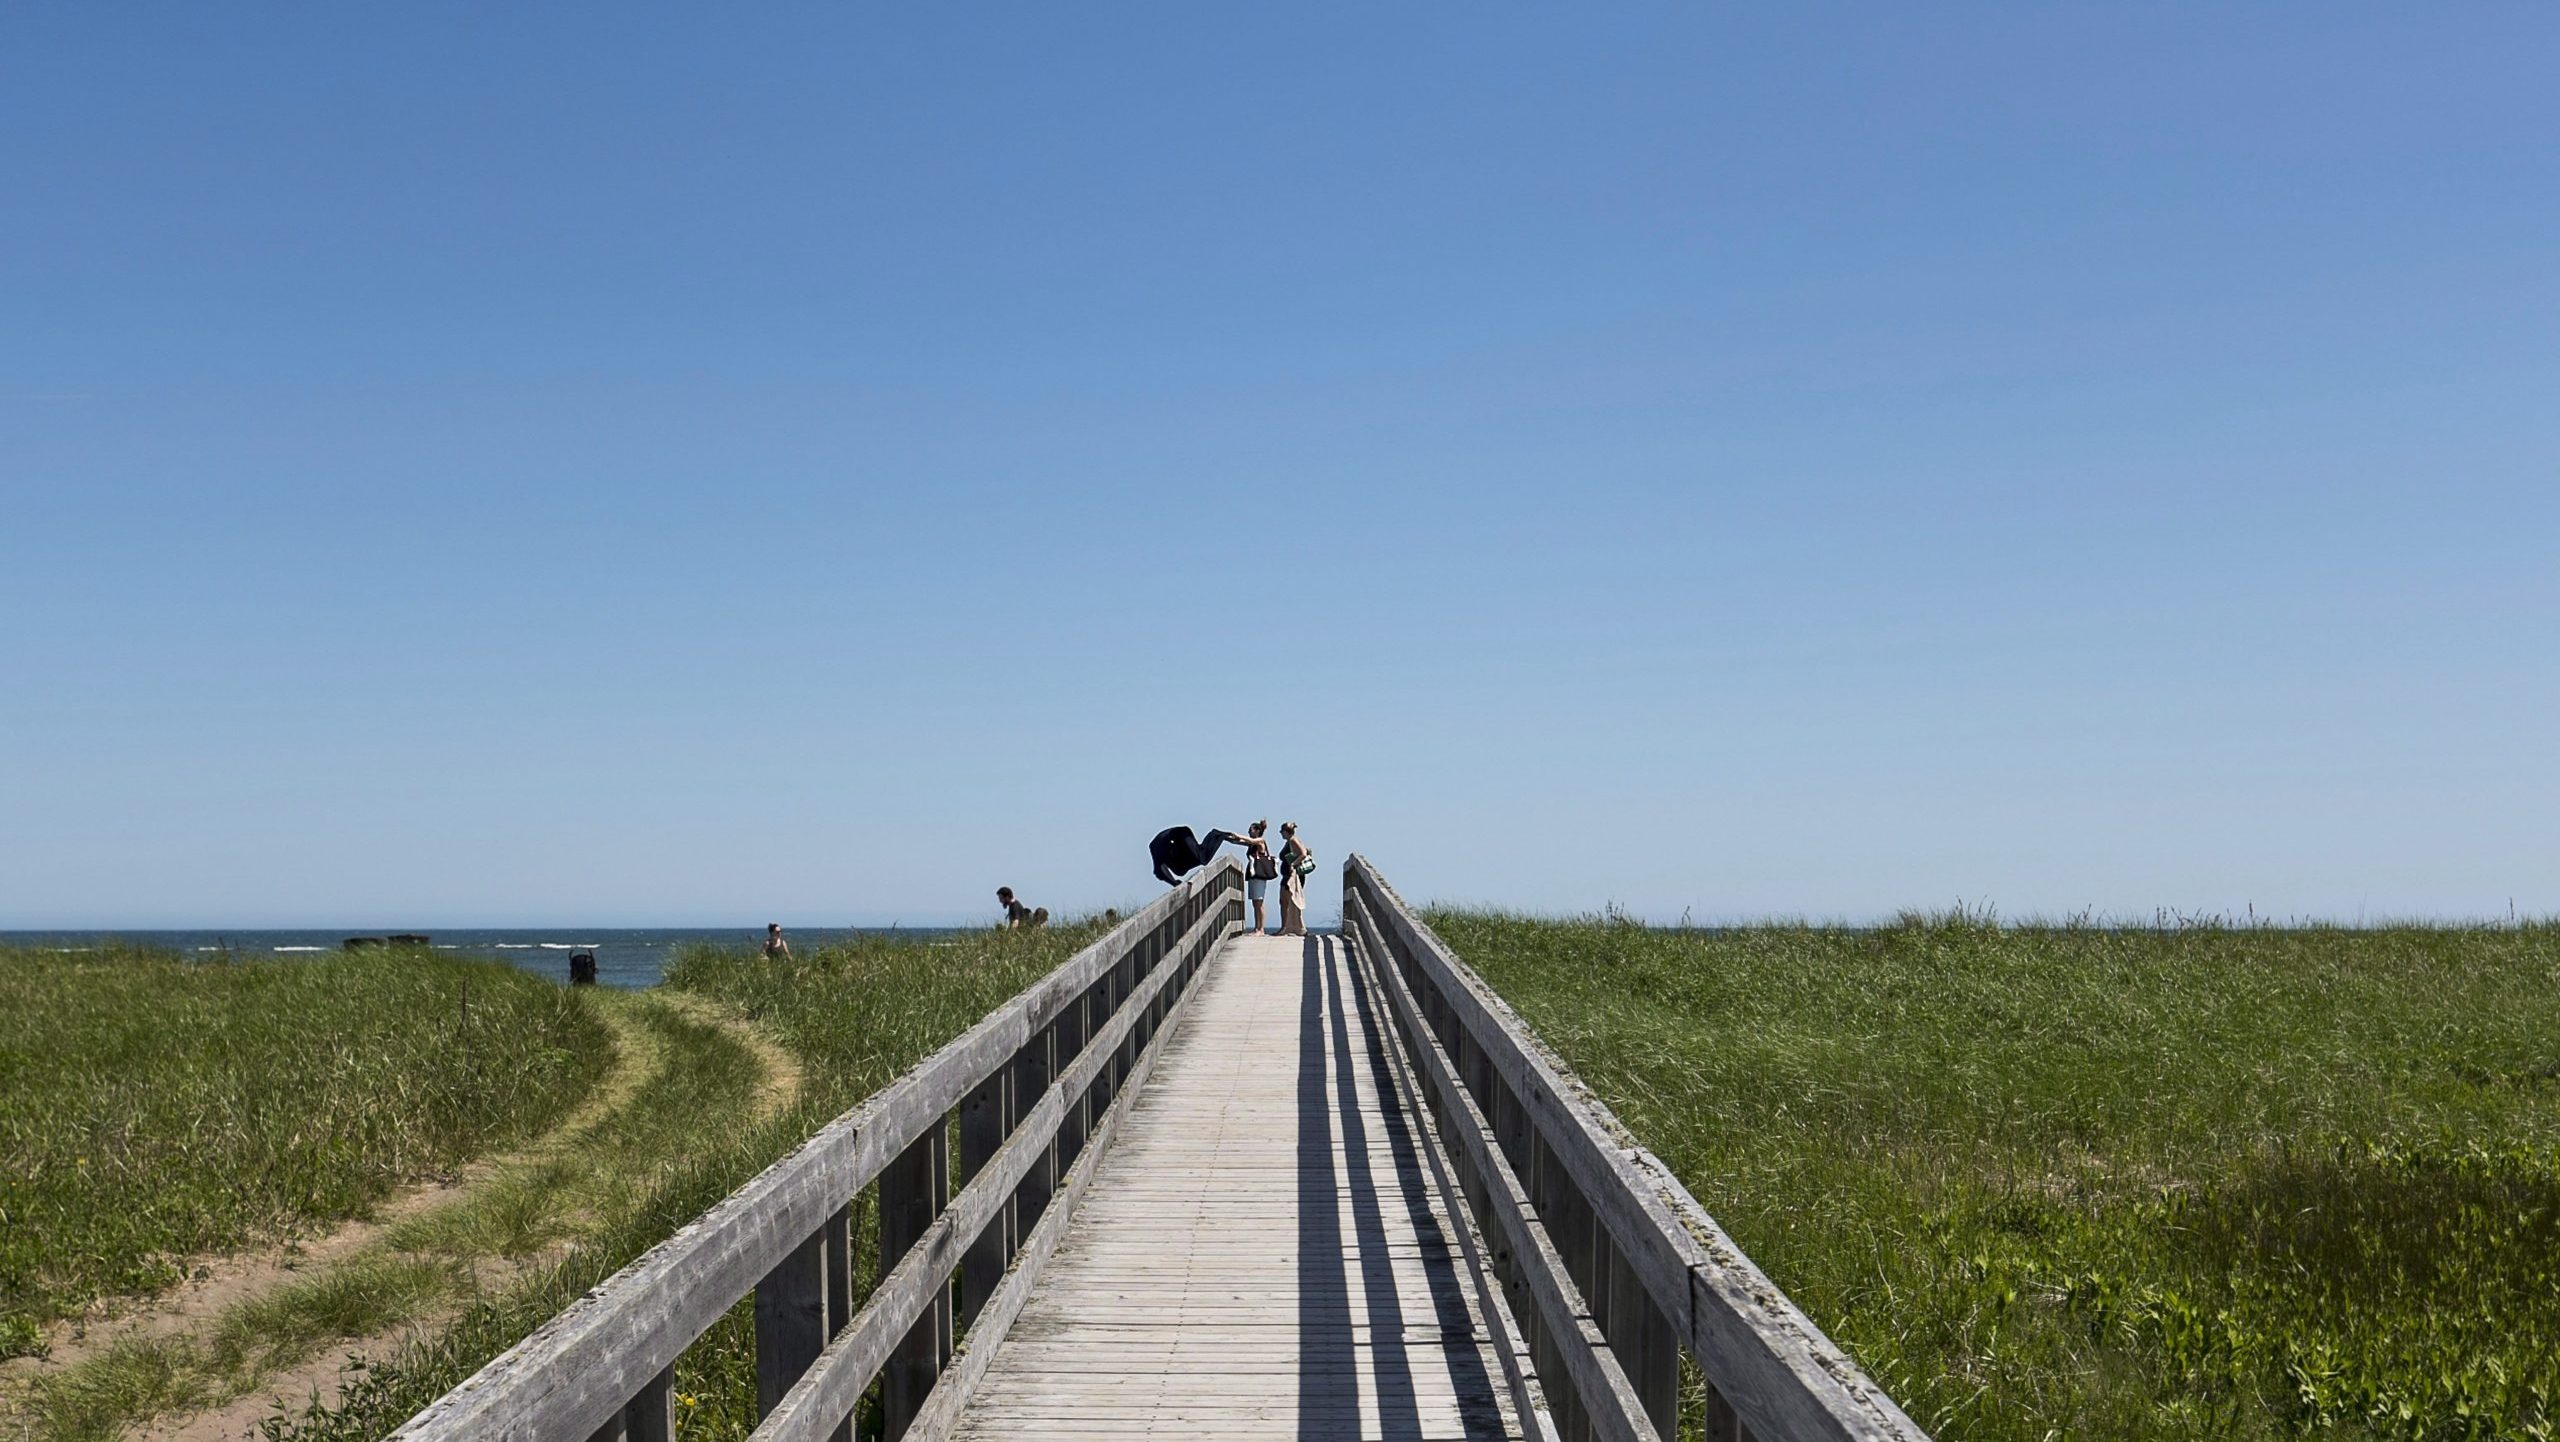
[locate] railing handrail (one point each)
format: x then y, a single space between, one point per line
578 1375
1555 1164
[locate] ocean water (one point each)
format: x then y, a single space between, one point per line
625 956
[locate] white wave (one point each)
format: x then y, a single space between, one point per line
514 945
570 945
301 948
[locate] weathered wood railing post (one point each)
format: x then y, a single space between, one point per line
1124 979
1070 1033
1642 1337
791 1319
1032 1070
1097 1014
986 1119
912 1191
652 1414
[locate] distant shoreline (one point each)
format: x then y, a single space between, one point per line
627 957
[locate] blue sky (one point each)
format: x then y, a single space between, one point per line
650 464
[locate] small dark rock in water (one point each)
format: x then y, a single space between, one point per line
359 943
407 938
582 968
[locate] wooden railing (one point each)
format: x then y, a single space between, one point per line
1038 1088
1610 1268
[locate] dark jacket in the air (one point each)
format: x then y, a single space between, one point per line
1175 851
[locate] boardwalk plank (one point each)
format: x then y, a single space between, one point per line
1262 1253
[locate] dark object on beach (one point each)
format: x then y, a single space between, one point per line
582 968
359 943
1175 851
407 938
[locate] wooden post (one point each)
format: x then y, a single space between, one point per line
1511 1132
1546 1358
1124 979
912 1191
791 1319
1067 1041
1145 959
839 1234
1097 1014
986 1116
1031 1076
1031 1195
1648 1349
1570 1232
1479 1187
1722 1425
651 1417
1480 1078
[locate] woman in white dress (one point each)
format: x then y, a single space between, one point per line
1295 862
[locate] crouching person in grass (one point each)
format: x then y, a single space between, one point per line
1016 915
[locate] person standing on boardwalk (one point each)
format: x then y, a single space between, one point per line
1261 868
775 948
1297 863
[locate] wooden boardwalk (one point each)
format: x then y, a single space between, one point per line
1196 1182
1263 1252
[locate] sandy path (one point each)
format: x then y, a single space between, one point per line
215 1285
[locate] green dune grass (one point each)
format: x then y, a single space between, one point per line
154 1108
2073 1181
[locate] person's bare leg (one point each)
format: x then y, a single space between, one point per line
1257 913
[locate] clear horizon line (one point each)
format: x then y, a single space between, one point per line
2173 916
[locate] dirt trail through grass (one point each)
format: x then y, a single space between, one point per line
255 1333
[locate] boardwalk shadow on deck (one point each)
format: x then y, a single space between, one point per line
1332 1166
